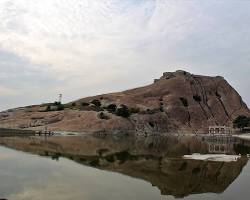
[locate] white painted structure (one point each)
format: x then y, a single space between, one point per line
60 98
219 130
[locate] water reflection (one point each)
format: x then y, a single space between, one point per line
157 160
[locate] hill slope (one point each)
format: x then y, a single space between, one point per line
178 101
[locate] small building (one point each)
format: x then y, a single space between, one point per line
219 130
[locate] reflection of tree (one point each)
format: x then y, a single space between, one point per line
241 149
180 177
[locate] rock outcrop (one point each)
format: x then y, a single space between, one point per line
177 102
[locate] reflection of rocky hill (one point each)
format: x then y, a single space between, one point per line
94 146
180 177
156 160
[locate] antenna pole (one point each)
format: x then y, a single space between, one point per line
60 98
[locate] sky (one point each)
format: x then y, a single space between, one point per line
89 47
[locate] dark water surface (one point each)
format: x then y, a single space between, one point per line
122 168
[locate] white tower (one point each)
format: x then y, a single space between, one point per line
60 98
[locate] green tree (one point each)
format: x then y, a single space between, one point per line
96 102
134 110
184 101
48 108
197 98
84 104
57 103
60 107
111 108
123 111
102 115
241 122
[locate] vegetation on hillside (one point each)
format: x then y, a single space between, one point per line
184 101
197 98
123 111
56 106
102 115
241 122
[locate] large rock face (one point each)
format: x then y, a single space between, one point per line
178 101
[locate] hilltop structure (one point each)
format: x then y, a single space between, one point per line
220 130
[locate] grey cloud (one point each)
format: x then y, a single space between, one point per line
29 81
83 47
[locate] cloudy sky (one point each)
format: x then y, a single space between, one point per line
86 47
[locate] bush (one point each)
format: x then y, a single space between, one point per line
134 110
123 111
151 112
241 122
102 115
60 107
57 103
48 108
161 106
151 124
73 104
84 104
96 102
111 108
184 101
161 109
197 98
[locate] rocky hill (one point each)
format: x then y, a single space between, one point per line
177 102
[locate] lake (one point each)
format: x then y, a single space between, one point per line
123 168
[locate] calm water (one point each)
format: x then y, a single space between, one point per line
124 168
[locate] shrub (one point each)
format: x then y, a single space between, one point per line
197 98
161 109
56 103
151 124
123 111
96 102
95 108
60 107
111 108
241 122
161 106
134 110
73 104
149 111
184 101
102 115
48 108
84 104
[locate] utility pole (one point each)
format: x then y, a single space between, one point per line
60 98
